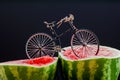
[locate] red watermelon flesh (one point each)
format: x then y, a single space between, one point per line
102 52
40 60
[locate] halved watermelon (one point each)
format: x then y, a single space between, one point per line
42 68
104 66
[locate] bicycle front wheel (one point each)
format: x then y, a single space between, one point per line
84 42
40 44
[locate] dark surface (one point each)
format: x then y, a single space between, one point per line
19 20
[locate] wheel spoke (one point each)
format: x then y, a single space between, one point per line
76 42
34 39
88 36
36 54
33 46
92 47
92 41
45 41
33 43
51 44
32 53
89 50
49 51
43 53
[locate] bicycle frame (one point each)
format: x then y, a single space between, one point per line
58 24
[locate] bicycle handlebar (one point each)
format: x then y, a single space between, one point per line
69 18
65 19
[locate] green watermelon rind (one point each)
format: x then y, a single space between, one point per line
97 68
27 72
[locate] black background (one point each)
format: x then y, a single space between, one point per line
19 20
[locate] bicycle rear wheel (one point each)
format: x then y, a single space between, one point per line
84 42
40 44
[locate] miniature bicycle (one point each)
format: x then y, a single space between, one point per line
41 44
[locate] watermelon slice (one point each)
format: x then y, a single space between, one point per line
42 68
104 66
